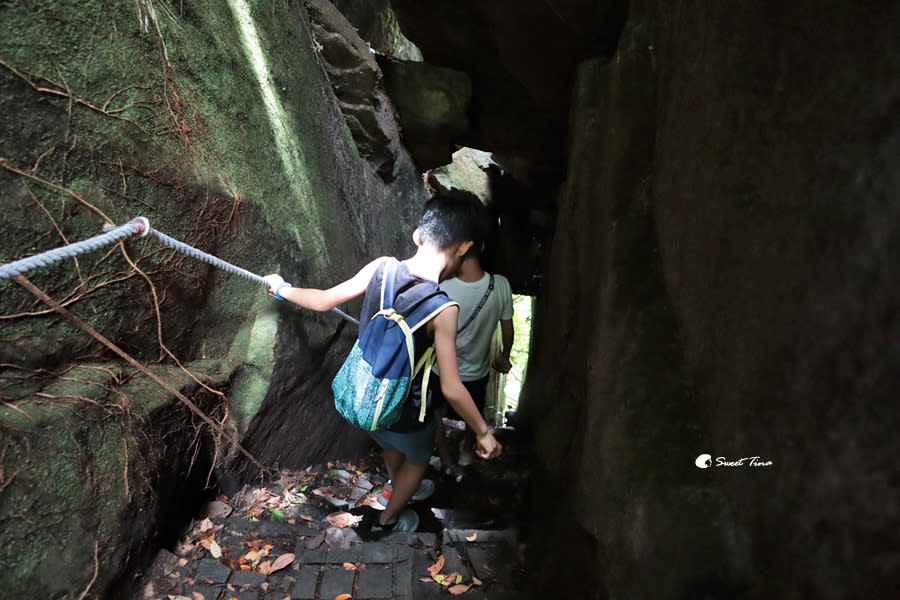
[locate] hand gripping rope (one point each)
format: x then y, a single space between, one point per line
139 226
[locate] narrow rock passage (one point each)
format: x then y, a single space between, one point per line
306 536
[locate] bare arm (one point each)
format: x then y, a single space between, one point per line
322 300
502 363
452 387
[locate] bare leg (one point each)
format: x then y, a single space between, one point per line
440 439
405 479
393 460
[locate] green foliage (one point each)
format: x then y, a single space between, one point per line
518 356
278 516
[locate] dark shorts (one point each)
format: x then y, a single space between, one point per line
477 389
416 445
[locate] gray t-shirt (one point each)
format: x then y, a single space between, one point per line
473 344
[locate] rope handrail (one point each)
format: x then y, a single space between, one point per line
112 234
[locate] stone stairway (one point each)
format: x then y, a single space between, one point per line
297 539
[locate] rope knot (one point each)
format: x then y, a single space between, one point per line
142 224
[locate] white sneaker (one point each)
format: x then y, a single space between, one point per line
466 456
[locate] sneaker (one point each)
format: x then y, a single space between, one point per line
466 456
407 521
425 490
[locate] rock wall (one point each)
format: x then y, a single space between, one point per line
216 120
722 282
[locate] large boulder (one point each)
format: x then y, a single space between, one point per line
215 120
721 287
356 79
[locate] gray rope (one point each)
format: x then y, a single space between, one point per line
204 257
113 234
225 266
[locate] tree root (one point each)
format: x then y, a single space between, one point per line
39 84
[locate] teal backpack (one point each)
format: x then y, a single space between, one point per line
372 386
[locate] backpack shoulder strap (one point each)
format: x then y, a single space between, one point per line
433 313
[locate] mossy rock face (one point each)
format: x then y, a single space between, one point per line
82 468
215 120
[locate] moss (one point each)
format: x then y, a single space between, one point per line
77 467
254 346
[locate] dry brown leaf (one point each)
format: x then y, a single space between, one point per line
198 596
281 562
426 580
349 566
343 519
206 543
206 525
454 577
306 518
473 537
476 581
343 597
436 567
456 590
264 567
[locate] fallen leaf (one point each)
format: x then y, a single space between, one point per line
206 524
476 581
231 562
315 542
215 550
456 590
292 521
441 579
436 567
453 577
307 518
343 519
264 567
198 596
172 597
278 516
206 543
281 562
349 566
426 580
343 597
473 537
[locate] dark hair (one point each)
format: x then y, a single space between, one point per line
450 219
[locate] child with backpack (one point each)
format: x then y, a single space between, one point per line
406 323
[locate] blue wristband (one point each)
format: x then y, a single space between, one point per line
281 286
